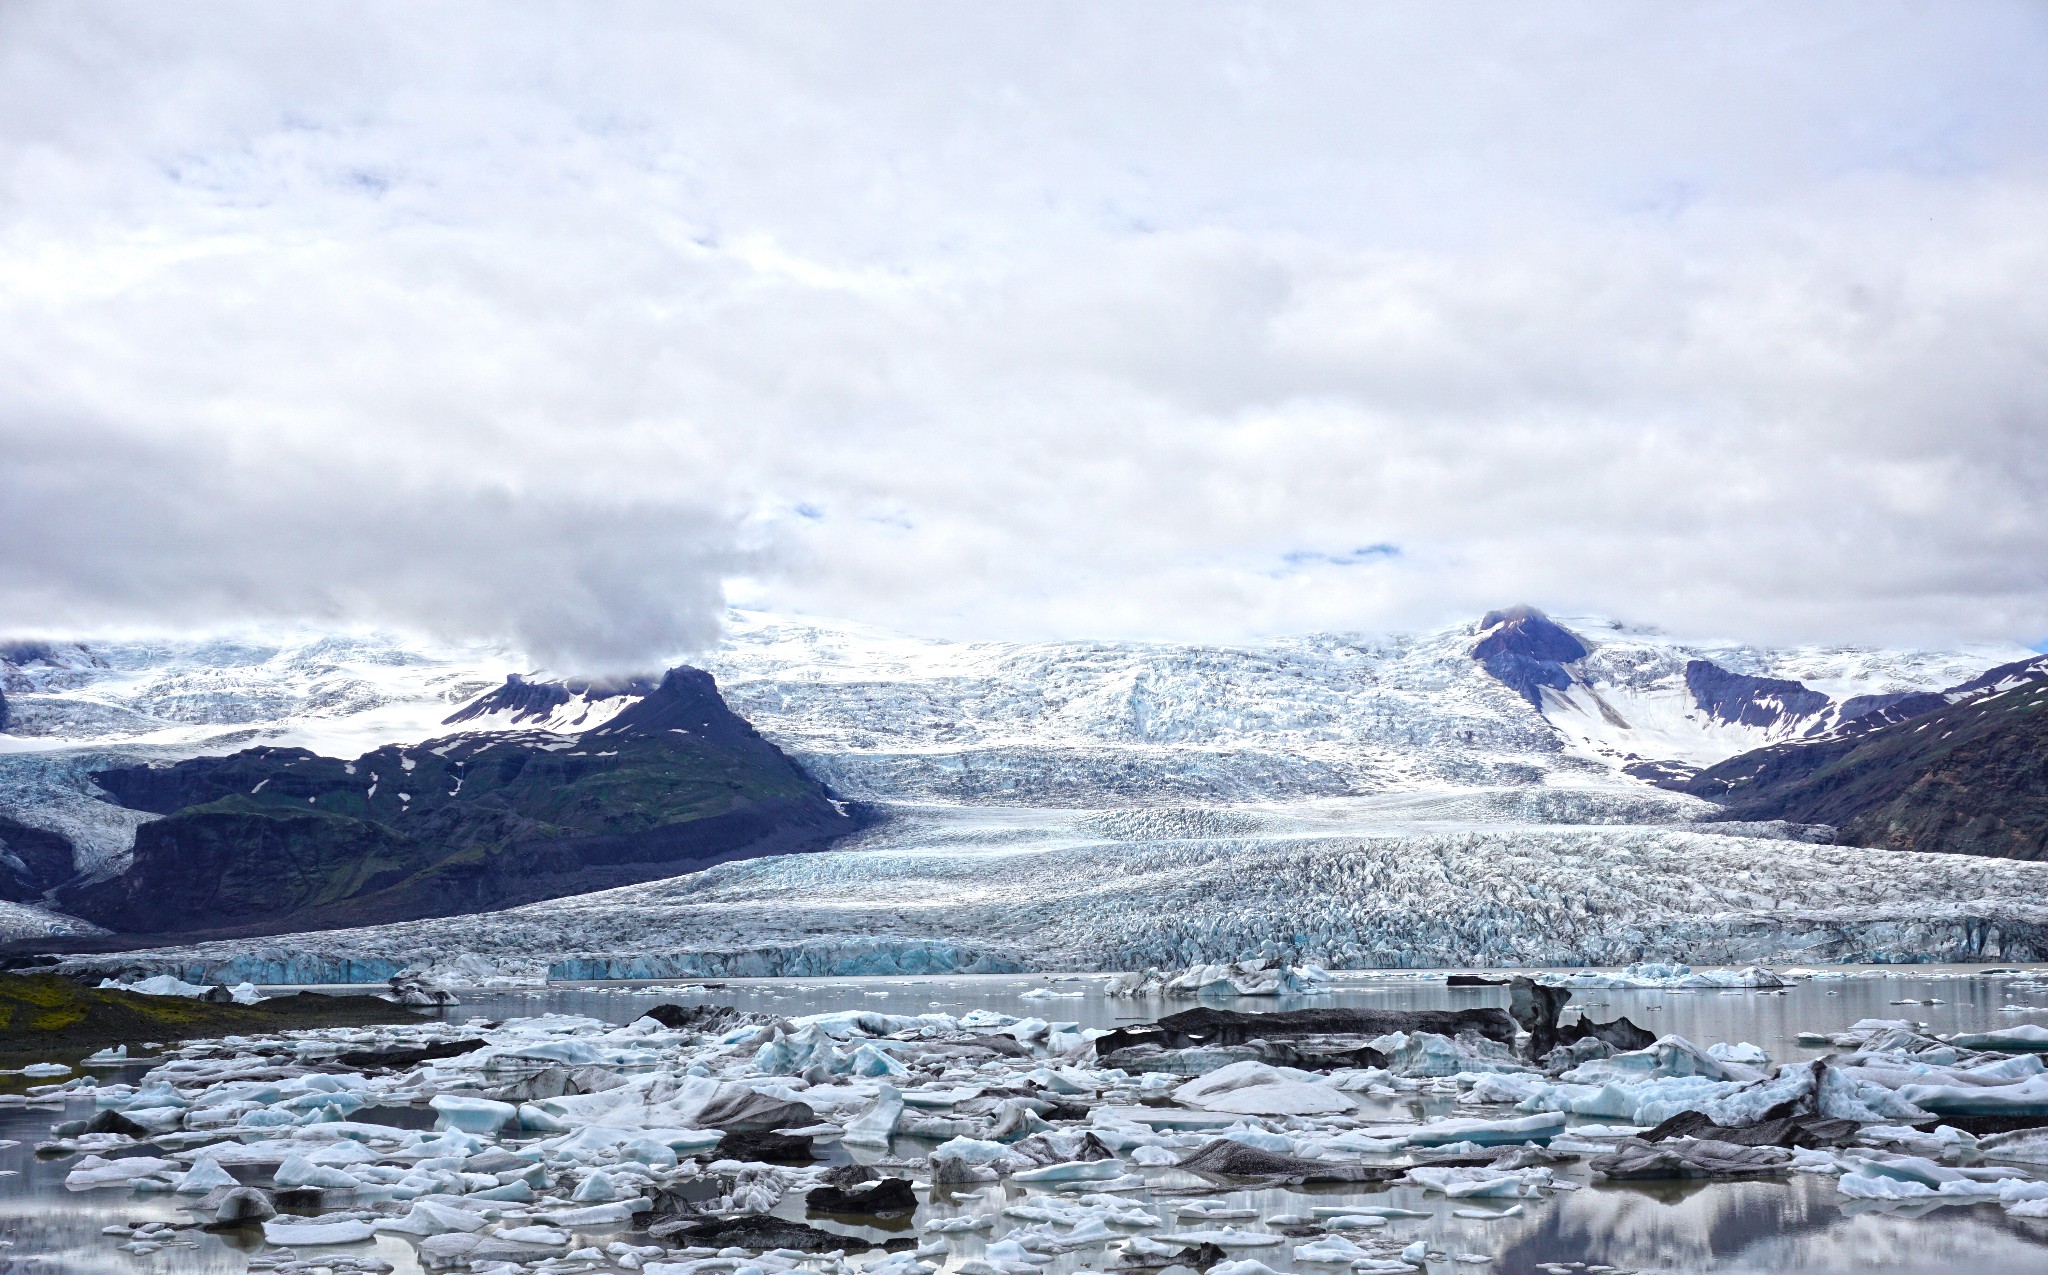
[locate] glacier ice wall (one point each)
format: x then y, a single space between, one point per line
1355 883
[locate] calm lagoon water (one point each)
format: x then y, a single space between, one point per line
1792 1224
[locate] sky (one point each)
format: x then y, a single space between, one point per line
566 325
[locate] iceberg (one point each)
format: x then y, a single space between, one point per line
2021 1098
1253 1088
1537 1129
1464 1183
472 1115
204 1175
295 1231
875 1126
2026 1037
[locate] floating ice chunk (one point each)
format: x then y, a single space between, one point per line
1071 1171
546 1235
472 1115
1332 1250
595 1189
46 1069
2026 1037
1253 1088
1227 1237
875 1126
869 1061
1429 1054
1488 1215
2022 1146
1463 1183
970 1151
1007 1251
299 1171
298 1231
95 1171
1668 1056
592 1214
1666 976
159 985
1913 1168
427 1217
1873 1186
788 1053
1508 1087
1259 976
1844 1095
204 1176
2023 1098
958 1225
1537 1128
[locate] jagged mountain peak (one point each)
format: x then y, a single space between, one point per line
562 705
2005 676
686 700
1744 700
1528 651
1636 699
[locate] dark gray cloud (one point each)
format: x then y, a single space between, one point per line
554 324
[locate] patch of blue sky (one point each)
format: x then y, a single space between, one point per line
1341 558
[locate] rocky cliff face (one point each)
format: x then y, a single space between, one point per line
1527 651
1966 776
275 838
31 861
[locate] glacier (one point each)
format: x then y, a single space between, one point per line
977 889
1336 799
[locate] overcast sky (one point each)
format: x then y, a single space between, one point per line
560 323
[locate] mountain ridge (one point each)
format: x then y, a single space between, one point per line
271 838
1195 743
1968 774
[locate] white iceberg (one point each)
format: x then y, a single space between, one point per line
1255 1089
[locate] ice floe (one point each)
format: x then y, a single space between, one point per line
686 1140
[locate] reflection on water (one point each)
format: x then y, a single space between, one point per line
1772 1020
1795 1223
51 1229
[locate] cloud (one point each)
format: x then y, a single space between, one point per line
559 326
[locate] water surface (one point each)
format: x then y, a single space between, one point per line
1791 1224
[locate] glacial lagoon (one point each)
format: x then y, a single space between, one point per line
1796 1221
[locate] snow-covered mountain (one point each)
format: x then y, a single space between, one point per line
885 717
1518 738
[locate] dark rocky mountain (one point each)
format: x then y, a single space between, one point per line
1964 772
273 839
1527 651
535 701
31 861
1742 700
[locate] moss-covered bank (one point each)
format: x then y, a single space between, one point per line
44 1015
